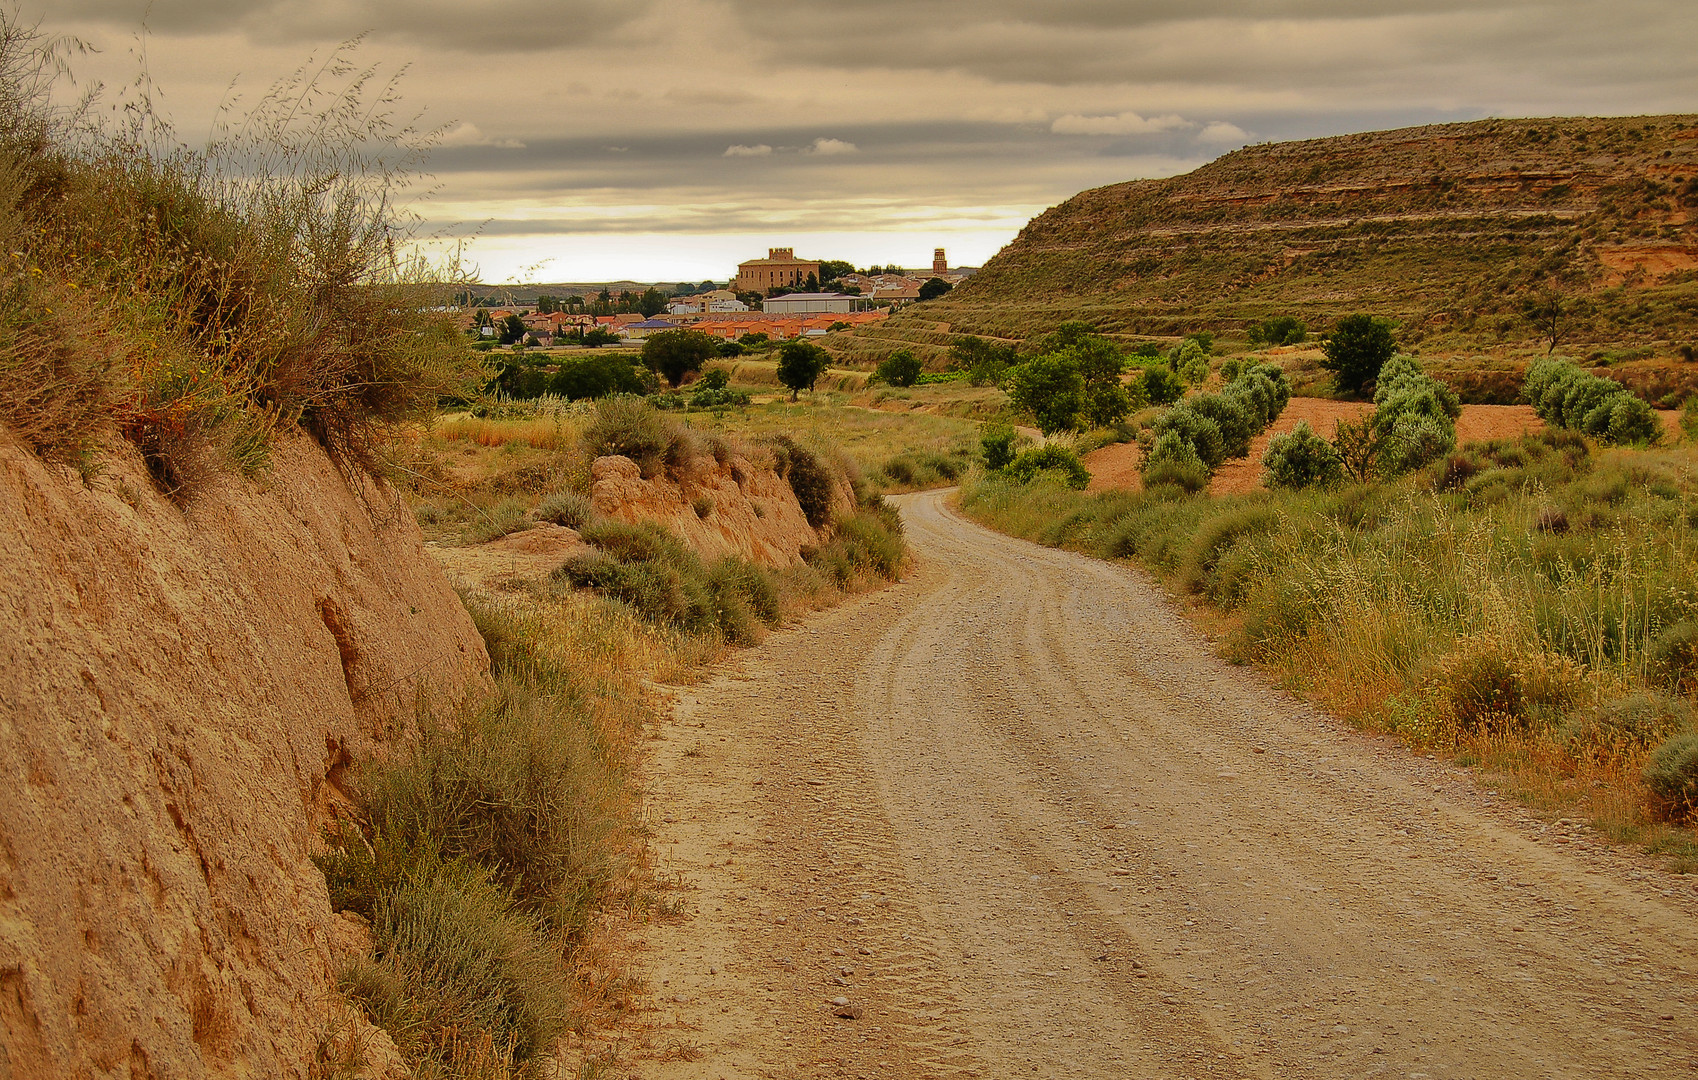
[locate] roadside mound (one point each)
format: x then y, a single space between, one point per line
184 682
744 501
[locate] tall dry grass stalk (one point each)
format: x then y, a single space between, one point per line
262 282
557 432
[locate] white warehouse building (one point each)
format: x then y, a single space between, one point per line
809 303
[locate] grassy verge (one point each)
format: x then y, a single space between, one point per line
1527 606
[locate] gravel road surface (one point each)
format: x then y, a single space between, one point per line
1013 817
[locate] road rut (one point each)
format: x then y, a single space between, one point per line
1021 819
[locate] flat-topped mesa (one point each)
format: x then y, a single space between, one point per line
1446 228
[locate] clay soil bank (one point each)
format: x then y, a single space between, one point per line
1011 817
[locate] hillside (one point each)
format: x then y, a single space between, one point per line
1446 228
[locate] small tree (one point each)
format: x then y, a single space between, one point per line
672 354
1279 330
900 368
934 288
1050 390
1161 386
512 330
1357 348
998 442
800 364
651 303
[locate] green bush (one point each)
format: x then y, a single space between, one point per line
1173 459
654 574
1568 396
1161 386
1355 350
597 377
1279 330
1672 775
569 508
1673 656
630 427
1301 459
1050 389
1029 463
1189 425
868 541
1221 426
998 444
900 368
808 478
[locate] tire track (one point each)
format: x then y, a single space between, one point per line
1079 845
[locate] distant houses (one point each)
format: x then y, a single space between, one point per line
865 298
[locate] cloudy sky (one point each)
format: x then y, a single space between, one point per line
669 139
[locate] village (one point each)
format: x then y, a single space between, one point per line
779 296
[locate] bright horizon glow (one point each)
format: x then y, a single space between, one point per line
681 257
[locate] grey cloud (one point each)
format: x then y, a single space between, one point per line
1369 45
473 25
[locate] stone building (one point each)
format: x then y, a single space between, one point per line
780 269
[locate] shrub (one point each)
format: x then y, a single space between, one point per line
985 362
506 516
673 354
569 508
808 478
900 368
596 377
1672 775
1279 330
1301 459
1567 396
1191 426
1673 657
1161 386
1237 420
998 443
717 379
1479 687
630 427
868 541
653 573
456 966
1216 536
1029 463
1622 727
800 365
1173 459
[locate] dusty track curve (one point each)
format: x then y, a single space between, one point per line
1018 815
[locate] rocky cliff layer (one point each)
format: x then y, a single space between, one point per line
182 684
1446 227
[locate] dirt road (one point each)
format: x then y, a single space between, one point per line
1016 820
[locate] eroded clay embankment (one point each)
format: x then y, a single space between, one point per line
181 688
